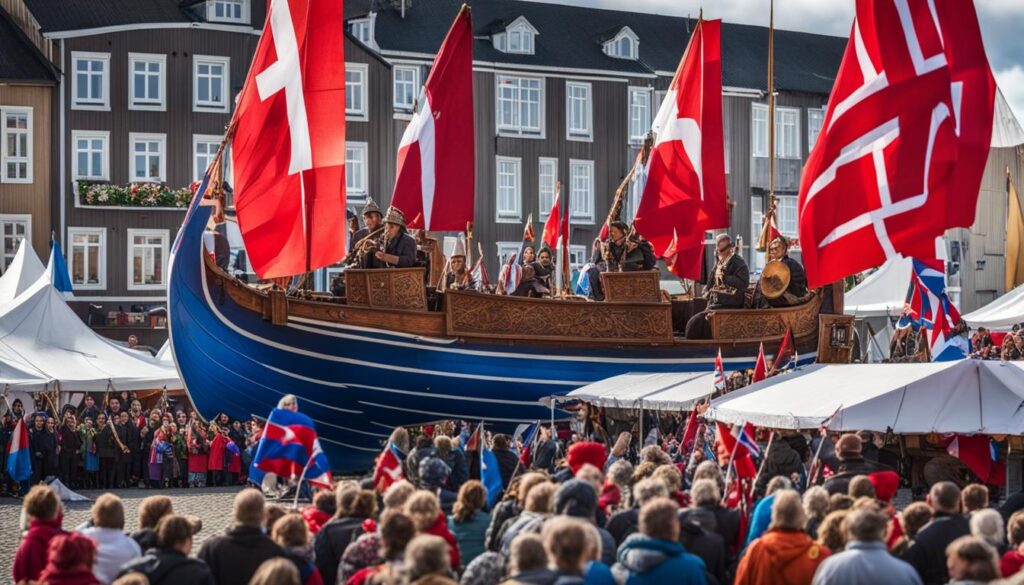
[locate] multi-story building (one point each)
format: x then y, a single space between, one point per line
27 81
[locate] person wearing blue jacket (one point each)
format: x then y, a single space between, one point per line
654 556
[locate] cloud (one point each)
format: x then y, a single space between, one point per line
1011 81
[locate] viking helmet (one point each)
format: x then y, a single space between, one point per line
395 215
371 207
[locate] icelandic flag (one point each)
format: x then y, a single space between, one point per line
389 468
490 476
57 269
526 456
290 448
719 372
19 460
746 438
583 282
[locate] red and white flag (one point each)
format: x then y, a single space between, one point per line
719 372
760 367
684 193
905 139
435 180
288 149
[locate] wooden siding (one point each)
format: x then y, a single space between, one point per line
378 130
33 198
27 23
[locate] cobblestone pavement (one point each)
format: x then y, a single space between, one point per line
213 505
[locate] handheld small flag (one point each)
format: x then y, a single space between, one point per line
760 368
719 372
741 460
19 460
583 285
529 435
57 269
473 443
746 438
528 236
511 275
289 447
389 468
490 476
785 357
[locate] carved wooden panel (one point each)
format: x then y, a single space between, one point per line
735 324
473 314
393 288
837 347
634 287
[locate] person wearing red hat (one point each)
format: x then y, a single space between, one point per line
70 561
586 452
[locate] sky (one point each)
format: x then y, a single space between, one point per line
1002 25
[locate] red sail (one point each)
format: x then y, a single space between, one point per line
904 142
435 179
288 150
685 190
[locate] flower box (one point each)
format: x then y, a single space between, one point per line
133 195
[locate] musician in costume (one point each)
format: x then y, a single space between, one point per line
458 275
372 220
396 248
727 286
621 252
544 269
795 293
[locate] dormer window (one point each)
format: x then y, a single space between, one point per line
624 45
362 29
232 11
518 38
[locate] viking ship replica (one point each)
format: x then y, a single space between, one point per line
381 356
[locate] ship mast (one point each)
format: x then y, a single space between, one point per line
771 106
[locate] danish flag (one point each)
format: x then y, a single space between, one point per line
905 139
684 193
288 150
719 372
434 183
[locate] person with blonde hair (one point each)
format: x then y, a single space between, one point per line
42 508
469 520
626 522
235 556
275 571
114 548
353 508
426 514
540 503
510 507
426 561
397 494
292 534
151 510
616 489
785 553
832 530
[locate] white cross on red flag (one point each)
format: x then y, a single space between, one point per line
905 139
684 193
288 149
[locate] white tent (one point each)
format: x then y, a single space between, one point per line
1006 130
883 292
671 390
966 396
22 273
1001 313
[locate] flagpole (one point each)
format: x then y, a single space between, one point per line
817 452
771 439
771 104
728 468
298 487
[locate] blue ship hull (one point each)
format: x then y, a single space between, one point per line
359 383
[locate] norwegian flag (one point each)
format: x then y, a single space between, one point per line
904 141
684 193
745 435
288 149
741 459
435 178
719 372
289 447
389 468
760 367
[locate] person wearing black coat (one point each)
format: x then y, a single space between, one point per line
330 542
44 449
577 499
70 444
545 451
699 537
507 460
851 464
927 554
424 449
726 520
168 562
781 459
233 557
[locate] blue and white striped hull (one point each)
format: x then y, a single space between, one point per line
358 383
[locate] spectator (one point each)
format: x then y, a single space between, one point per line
1013 559
114 548
913 518
528 562
780 460
838 502
397 494
292 534
507 460
70 561
275 571
434 474
510 508
785 554
151 510
619 450
565 541
426 514
832 532
427 561
865 560
320 512
469 521
928 552
626 522
545 452
816 508
851 464
579 454
655 555
974 497
577 499
274 512
44 448
43 510
539 503
396 530
455 459
168 562
235 557
987 525
762 516
615 491
352 507
424 449
697 535
727 520
969 559
861 487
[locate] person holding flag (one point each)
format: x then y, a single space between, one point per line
290 448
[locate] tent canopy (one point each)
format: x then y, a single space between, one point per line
22 273
1002 313
883 292
671 390
965 396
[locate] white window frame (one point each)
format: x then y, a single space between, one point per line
5 156
611 47
359 26
160 103
103 102
101 270
785 116
166 236
756 224
207 105
199 170
644 125
245 13
586 133
508 215
361 113
415 70
514 129
134 137
577 251
526 33
759 144
811 140
358 191
759 137
506 249
545 206
787 204
103 135
586 215
7 218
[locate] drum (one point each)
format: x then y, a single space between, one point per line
774 279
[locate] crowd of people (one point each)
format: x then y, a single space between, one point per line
572 512
116 443
989 345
